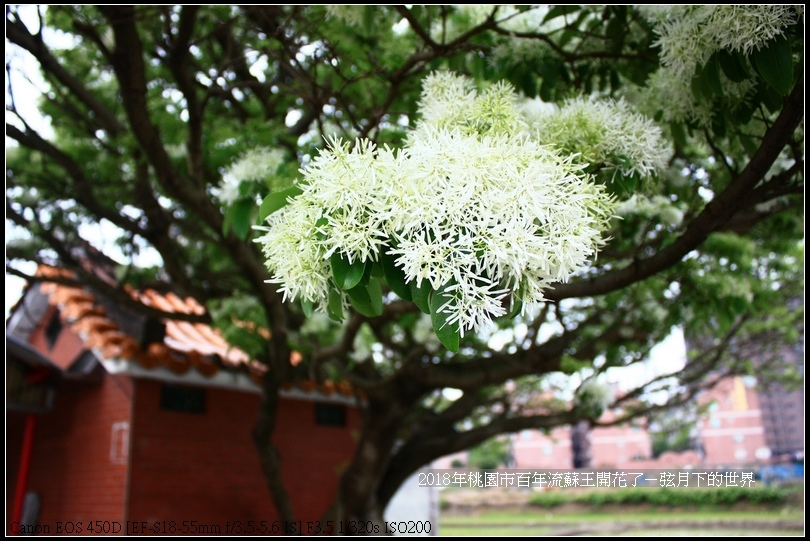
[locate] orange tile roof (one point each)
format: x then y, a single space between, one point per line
186 346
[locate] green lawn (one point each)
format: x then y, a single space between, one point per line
714 523
614 521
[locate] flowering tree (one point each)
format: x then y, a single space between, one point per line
502 201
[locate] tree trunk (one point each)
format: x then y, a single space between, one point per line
358 509
268 454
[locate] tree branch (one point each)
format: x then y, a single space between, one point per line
716 214
17 33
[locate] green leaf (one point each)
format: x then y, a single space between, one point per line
376 269
743 113
368 19
517 306
732 65
375 292
367 299
711 72
678 134
347 275
447 333
421 295
547 90
334 306
775 64
517 301
616 31
567 35
367 270
719 124
772 99
549 75
559 11
307 307
395 277
226 223
749 144
701 87
319 223
240 216
627 184
277 200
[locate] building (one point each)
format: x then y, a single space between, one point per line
608 447
782 411
128 423
732 434
744 425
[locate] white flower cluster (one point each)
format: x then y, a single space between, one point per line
595 395
351 15
471 205
254 165
604 132
689 35
658 205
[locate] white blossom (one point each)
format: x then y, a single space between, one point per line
601 131
473 204
658 205
594 394
254 165
689 35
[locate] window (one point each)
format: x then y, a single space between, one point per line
182 399
330 415
53 330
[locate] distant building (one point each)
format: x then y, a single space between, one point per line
744 426
732 433
583 447
783 413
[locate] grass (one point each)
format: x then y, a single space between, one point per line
651 532
630 523
573 518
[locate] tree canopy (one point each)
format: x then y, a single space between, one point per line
498 200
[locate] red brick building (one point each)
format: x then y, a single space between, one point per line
732 433
609 447
122 423
736 431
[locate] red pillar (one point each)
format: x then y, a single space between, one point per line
25 464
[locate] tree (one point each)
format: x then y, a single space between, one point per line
674 430
684 125
490 454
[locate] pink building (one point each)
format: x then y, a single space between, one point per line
532 449
733 433
609 447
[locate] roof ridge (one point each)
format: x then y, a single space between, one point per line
184 347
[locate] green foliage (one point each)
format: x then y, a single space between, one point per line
275 201
489 455
681 440
666 497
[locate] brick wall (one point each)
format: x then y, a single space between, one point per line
76 463
205 467
732 433
535 450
